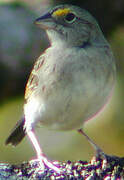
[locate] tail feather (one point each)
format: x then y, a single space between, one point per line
17 134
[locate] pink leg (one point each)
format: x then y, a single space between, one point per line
97 149
42 159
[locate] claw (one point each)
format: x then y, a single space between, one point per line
50 165
41 158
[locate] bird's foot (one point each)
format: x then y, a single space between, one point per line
45 162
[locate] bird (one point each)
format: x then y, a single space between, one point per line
71 81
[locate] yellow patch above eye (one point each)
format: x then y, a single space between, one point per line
61 12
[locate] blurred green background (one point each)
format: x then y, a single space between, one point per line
20 44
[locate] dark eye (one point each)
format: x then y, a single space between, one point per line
70 17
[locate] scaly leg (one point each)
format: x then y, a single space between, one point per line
97 149
42 159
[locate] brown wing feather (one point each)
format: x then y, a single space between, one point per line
33 80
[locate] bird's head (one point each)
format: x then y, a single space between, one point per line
70 24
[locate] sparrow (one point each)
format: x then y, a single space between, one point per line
70 82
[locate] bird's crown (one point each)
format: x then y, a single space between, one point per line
61 12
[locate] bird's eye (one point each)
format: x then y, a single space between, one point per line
70 17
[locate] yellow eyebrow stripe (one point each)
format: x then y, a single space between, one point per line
61 12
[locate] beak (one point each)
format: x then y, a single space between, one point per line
45 21
42 18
